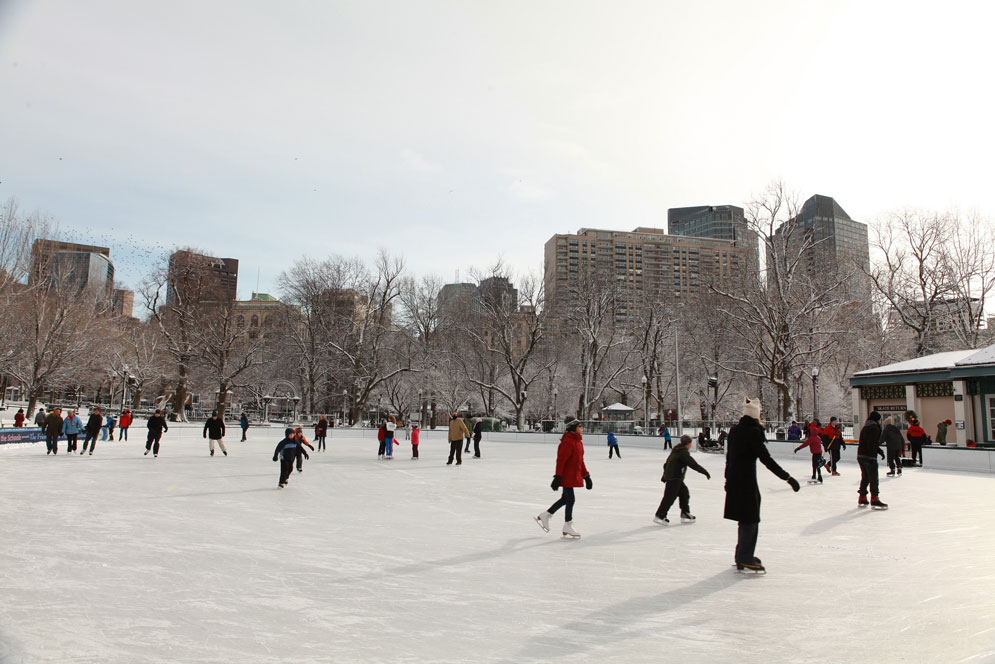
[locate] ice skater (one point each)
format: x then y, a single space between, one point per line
917 436
287 452
674 469
72 427
123 424
571 473
320 431
53 429
156 426
747 445
215 426
243 421
667 443
415 434
389 427
301 452
478 433
457 432
92 429
109 428
891 435
868 449
814 443
833 435
468 423
613 445
382 437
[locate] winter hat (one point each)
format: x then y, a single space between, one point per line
572 423
832 419
288 432
752 408
685 440
875 415
947 422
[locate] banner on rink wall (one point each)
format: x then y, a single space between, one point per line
8 436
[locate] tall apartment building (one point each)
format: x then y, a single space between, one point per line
72 265
719 222
647 265
211 280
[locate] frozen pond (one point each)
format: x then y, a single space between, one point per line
120 557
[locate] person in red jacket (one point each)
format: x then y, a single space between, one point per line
415 434
570 474
814 442
833 437
19 418
122 425
917 436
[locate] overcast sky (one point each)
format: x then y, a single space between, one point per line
456 133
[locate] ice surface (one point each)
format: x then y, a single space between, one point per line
120 557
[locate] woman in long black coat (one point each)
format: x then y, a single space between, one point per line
746 445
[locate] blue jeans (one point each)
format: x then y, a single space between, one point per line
390 446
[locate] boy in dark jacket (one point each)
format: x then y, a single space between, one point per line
156 425
286 450
746 446
673 477
868 449
53 429
93 424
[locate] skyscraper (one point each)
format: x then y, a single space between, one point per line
839 245
719 222
206 278
70 265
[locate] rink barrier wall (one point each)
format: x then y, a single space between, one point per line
21 435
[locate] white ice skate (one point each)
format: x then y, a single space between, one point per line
543 520
568 530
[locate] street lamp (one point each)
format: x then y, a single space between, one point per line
266 399
677 378
345 405
556 392
713 382
815 393
295 400
646 415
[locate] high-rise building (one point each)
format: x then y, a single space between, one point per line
646 265
719 222
839 242
210 280
498 292
73 266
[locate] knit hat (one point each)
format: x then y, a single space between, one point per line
752 408
947 422
685 440
875 415
832 419
288 431
572 423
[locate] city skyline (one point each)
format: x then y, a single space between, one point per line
429 126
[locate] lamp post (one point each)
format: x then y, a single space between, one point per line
677 371
379 398
713 382
345 405
556 392
815 393
646 415
432 423
266 399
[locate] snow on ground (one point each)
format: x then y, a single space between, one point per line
120 557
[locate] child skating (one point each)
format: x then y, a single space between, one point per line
570 474
813 441
286 451
673 477
415 434
613 445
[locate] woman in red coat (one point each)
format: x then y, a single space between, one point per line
571 473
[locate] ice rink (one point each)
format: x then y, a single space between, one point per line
120 557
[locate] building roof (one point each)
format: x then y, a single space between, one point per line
618 407
983 356
939 366
935 362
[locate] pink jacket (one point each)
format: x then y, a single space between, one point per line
414 436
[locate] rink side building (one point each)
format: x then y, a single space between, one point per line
956 385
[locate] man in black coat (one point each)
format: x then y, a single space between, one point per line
93 424
215 426
156 425
674 470
746 445
868 449
53 429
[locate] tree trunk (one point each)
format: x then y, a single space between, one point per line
136 397
180 396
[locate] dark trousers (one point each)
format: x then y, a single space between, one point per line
244 429
455 449
667 444
746 545
382 451
476 447
414 451
916 451
300 458
286 467
321 442
122 433
153 442
834 454
566 500
816 466
52 443
895 461
675 490
467 450
614 448
72 441
868 476
91 438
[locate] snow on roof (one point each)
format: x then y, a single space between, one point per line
983 356
935 362
618 406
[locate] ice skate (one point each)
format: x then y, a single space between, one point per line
878 505
212 452
543 520
753 567
890 473
568 530
835 474
862 501
814 481
662 520
225 452
687 517
146 452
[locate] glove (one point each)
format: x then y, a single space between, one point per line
588 482
843 445
794 484
707 475
306 456
555 484
274 458
796 450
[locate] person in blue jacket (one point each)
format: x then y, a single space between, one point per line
794 431
667 442
613 445
287 451
72 427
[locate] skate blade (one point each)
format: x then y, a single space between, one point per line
544 528
875 507
749 572
568 536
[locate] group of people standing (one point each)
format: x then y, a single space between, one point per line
460 429
70 427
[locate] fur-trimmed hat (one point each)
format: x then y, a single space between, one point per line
752 408
572 423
